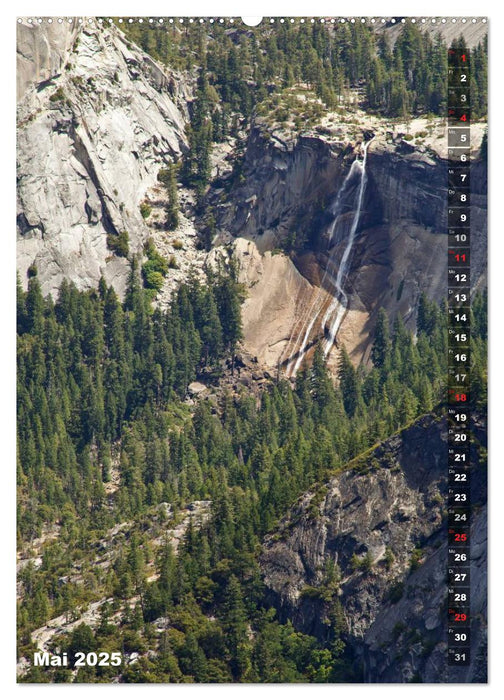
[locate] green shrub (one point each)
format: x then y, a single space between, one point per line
311 592
178 245
367 562
416 556
145 210
152 279
151 294
158 262
355 562
163 176
364 564
119 244
57 96
155 268
152 266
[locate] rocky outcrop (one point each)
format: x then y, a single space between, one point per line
92 136
382 522
473 32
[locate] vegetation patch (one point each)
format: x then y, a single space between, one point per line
145 210
364 563
58 96
119 243
155 269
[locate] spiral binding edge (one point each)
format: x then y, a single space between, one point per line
265 20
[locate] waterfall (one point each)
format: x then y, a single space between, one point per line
340 300
311 316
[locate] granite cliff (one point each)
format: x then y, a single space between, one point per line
282 203
97 118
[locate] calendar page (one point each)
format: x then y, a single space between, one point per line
252 350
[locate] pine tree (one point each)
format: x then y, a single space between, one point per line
228 296
34 307
348 383
169 179
320 379
234 623
21 314
380 351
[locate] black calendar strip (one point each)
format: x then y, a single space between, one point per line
459 319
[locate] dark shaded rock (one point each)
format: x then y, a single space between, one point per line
388 513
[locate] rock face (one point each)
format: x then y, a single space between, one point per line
473 33
92 136
42 51
382 522
408 630
400 250
274 286
284 181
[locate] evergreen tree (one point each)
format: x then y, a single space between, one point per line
348 383
380 351
234 622
169 179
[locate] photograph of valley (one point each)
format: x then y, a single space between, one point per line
232 347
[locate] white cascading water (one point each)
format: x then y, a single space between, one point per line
340 300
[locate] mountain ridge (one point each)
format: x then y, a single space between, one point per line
380 523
